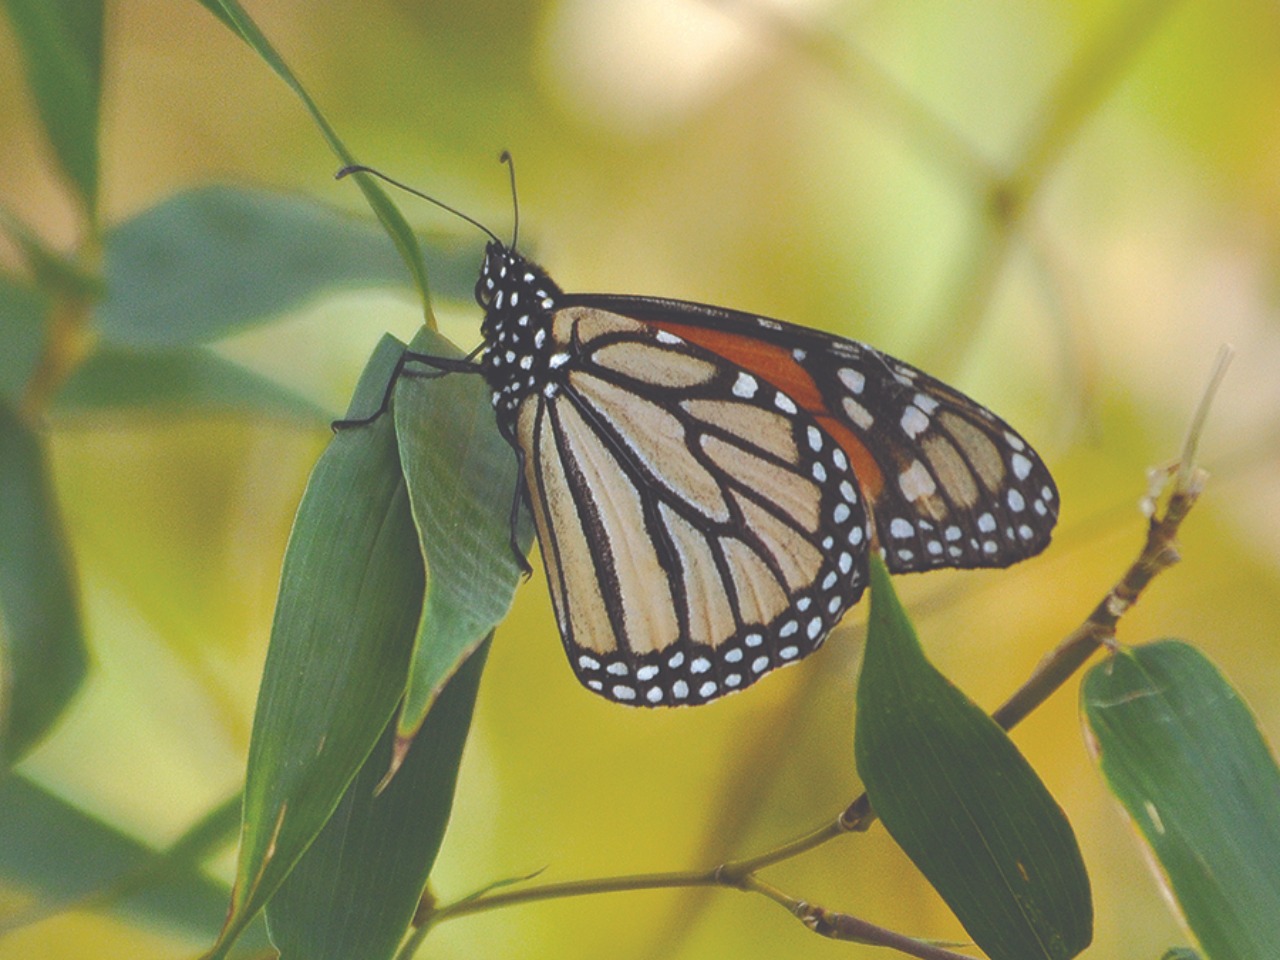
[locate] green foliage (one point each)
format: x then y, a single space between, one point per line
356 889
233 15
209 262
1183 753
68 859
22 324
350 593
956 795
61 43
44 658
460 473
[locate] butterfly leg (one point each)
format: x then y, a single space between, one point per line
513 526
441 365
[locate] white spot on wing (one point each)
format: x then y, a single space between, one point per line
853 379
856 412
925 402
914 421
916 482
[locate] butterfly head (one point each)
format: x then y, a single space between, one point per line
504 274
518 300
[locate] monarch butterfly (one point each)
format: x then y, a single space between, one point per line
706 484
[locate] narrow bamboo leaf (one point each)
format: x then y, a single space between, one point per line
192 380
462 483
216 260
231 13
54 273
42 651
350 596
1184 754
63 858
956 795
354 893
22 331
61 43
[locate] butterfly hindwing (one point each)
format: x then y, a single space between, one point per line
698 528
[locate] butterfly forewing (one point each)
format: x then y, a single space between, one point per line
950 484
698 529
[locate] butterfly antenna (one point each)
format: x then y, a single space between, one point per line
361 168
515 203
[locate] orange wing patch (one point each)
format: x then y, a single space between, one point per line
777 367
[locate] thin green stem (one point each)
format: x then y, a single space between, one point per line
575 888
736 871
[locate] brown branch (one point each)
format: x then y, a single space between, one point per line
841 926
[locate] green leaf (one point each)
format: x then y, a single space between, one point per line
956 795
462 480
43 659
234 16
356 889
54 273
184 380
350 596
1184 754
22 331
63 858
61 43
214 261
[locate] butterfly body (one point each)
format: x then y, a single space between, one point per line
706 484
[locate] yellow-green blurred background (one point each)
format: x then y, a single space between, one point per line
829 163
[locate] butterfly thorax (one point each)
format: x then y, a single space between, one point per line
518 298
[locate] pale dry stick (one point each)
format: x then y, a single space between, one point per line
1099 629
